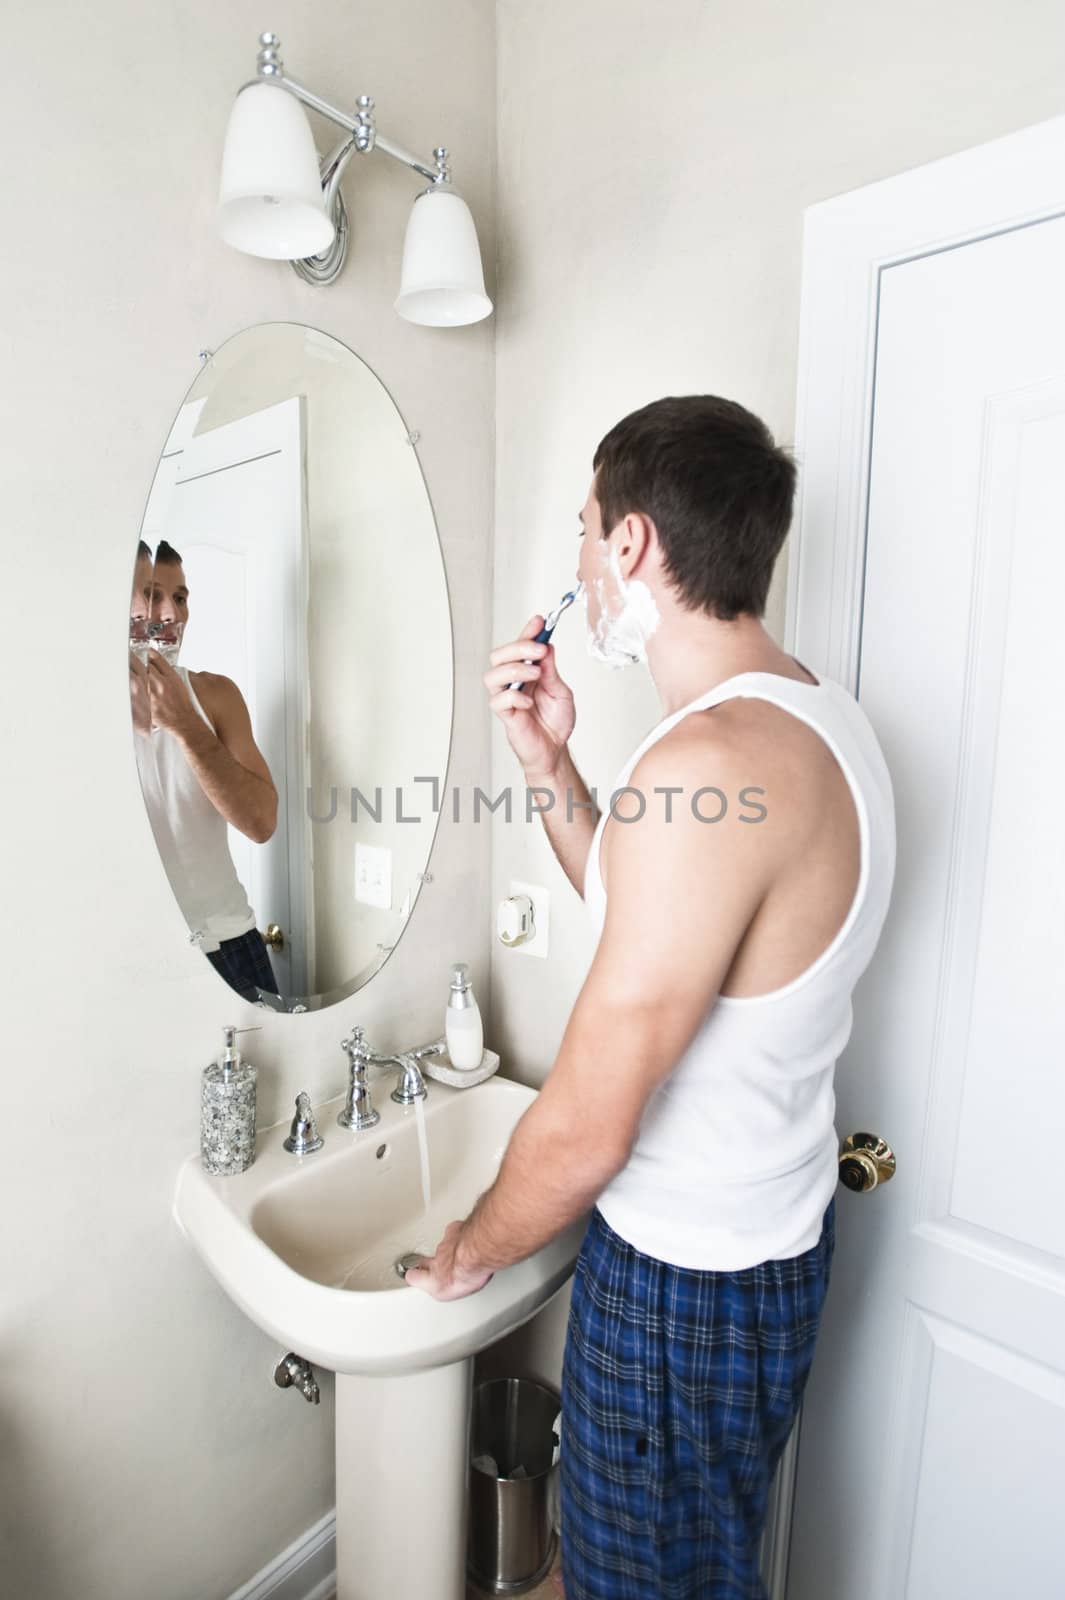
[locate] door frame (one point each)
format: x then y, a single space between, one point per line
848 243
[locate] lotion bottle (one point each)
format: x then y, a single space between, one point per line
463 1028
227 1112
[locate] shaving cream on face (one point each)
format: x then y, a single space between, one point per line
166 638
621 641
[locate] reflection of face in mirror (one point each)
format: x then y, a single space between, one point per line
170 603
201 772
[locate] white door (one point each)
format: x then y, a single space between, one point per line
235 514
930 576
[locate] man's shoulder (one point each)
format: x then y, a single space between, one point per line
676 777
744 761
214 686
701 743
744 732
688 780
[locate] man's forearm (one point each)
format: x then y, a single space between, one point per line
550 1176
569 817
242 797
560 1158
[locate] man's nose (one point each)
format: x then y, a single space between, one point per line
163 611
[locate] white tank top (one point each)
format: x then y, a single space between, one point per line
192 837
737 1156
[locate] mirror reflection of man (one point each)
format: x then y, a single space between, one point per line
200 770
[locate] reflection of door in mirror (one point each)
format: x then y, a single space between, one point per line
231 502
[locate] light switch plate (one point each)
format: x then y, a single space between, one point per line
541 899
373 876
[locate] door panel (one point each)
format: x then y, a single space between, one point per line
932 1444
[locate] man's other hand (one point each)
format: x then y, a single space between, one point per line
139 696
171 703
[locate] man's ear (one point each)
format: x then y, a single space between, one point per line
635 543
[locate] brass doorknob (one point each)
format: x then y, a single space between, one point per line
275 939
865 1161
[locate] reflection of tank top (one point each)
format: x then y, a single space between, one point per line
737 1156
191 836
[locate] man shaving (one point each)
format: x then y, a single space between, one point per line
200 769
731 934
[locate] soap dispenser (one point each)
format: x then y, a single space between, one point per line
227 1111
463 1028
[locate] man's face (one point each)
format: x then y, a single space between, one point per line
140 601
170 594
592 565
621 613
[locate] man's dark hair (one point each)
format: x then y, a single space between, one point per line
166 555
718 489
143 550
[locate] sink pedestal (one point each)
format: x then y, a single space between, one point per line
402 1465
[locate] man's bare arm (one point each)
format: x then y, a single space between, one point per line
569 815
228 764
661 960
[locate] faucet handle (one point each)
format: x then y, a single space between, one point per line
358 1110
356 1046
304 1137
411 1085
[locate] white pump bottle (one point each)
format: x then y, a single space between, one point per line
463 1028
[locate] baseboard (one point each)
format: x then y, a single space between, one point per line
307 1570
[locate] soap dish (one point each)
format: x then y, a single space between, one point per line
439 1066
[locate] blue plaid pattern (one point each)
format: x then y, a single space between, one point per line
244 962
679 1391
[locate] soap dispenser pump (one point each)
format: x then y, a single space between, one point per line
227 1110
463 1028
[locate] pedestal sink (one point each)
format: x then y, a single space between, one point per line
306 1247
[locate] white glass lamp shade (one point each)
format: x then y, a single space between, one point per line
270 201
442 284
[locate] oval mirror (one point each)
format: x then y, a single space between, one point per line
290 667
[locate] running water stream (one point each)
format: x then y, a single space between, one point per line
379 1268
423 1151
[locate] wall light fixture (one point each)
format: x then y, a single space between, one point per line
278 199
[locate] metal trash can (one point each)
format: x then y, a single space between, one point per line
514 1443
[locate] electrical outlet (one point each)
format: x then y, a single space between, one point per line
541 899
373 876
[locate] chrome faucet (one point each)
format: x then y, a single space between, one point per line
359 1111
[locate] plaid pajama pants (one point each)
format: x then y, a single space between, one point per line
244 962
679 1391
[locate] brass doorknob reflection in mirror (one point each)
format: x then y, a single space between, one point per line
275 939
865 1161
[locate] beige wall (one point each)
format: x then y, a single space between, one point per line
143 1447
654 163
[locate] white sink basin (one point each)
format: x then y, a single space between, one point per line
307 1247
